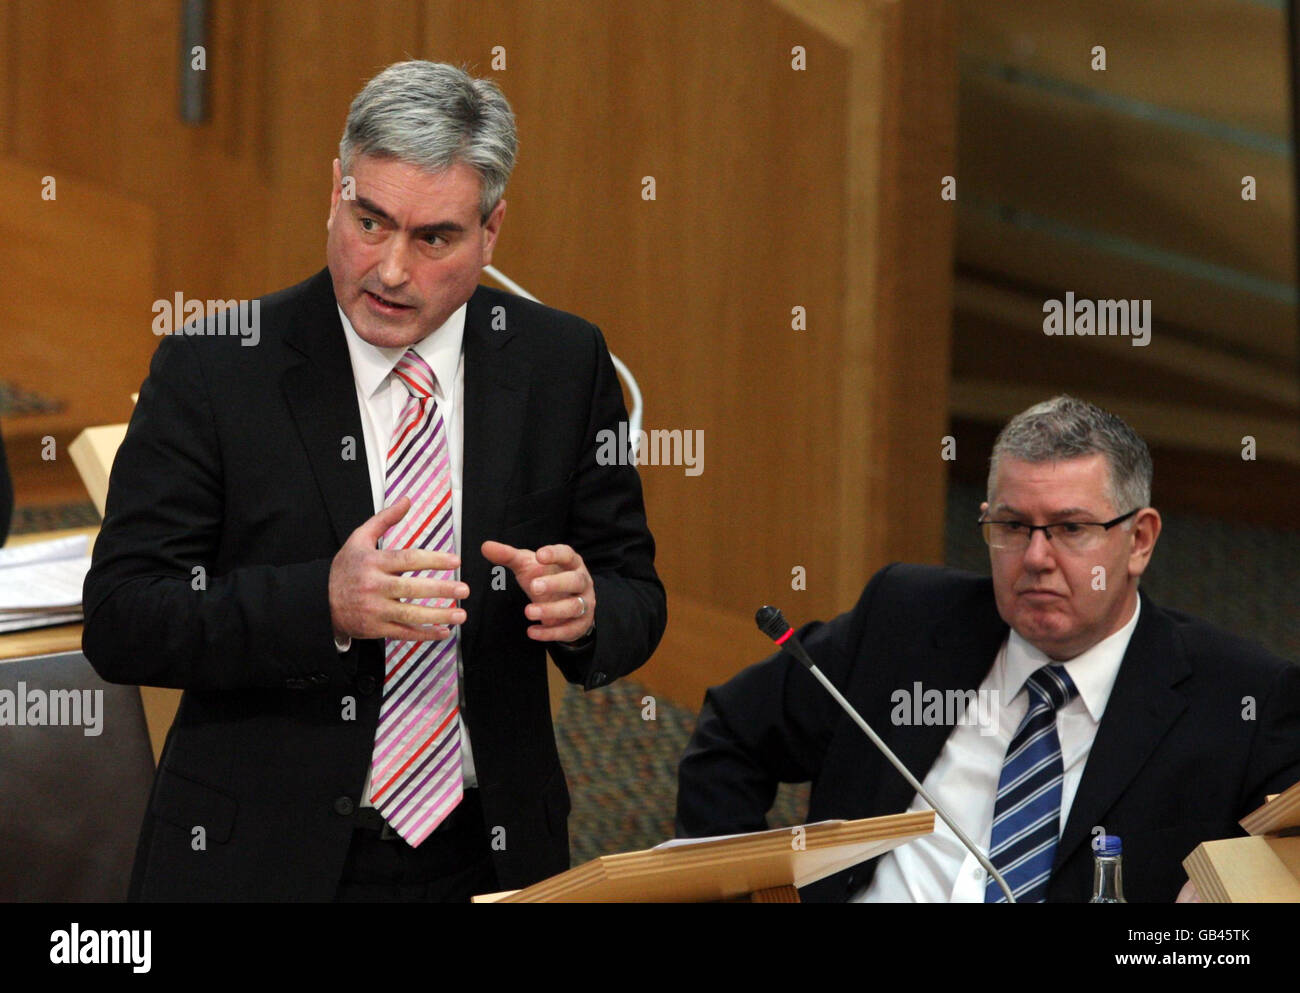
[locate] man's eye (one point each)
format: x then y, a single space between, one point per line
1013 526
366 223
1071 527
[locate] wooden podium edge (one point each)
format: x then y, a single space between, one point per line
1278 813
1257 869
628 867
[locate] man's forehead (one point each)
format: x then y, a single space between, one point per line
428 196
1066 486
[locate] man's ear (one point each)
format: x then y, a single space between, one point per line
336 194
1146 529
492 228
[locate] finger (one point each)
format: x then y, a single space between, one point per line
559 612
399 560
572 631
374 528
400 632
557 585
1188 894
415 616
499 553
562 555
425 588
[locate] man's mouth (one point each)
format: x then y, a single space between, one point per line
383 303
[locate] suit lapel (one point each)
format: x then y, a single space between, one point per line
1143 705
957 657
321 394
496 399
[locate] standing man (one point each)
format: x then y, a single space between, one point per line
354 543
1105 712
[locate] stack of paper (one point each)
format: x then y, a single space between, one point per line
40 584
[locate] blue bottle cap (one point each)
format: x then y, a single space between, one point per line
1107 845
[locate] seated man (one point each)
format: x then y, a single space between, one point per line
1101 712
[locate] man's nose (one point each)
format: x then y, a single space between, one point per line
1040 556
393 264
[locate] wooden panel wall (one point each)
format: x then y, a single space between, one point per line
776 188
1125 182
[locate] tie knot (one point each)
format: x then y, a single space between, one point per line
1052 684
415 374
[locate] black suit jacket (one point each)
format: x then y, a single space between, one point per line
231 494
1174 762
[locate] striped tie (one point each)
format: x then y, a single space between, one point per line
415 773
1027 815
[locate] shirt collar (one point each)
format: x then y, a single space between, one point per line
372 364
1093 671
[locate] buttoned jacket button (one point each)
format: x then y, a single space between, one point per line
344 806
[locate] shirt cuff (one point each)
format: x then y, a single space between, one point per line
583 642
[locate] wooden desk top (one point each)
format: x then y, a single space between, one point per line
44 641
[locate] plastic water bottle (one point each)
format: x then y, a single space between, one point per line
1107 870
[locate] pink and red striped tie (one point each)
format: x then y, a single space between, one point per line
415 776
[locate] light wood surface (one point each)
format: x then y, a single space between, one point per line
1279 813
730 868
93 452
1263 869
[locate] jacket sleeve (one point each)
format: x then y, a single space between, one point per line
155 612
772 723
608 528
1275 752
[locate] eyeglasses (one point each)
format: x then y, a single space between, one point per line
1070 536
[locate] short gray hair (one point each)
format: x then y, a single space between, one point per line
434 116
1068 428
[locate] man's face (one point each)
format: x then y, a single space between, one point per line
408 249
1058 601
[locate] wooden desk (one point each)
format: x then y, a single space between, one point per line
159 703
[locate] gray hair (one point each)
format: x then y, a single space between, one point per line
434 116
1067 428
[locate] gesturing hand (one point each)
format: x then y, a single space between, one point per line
367 586
558 584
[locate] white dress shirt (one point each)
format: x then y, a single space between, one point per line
964 779
381 397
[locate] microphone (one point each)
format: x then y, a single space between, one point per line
772 623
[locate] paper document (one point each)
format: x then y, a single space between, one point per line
687 842
40 583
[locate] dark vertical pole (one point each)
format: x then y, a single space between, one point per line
1293 50
194 81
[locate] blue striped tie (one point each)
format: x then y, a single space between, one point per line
1027 815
